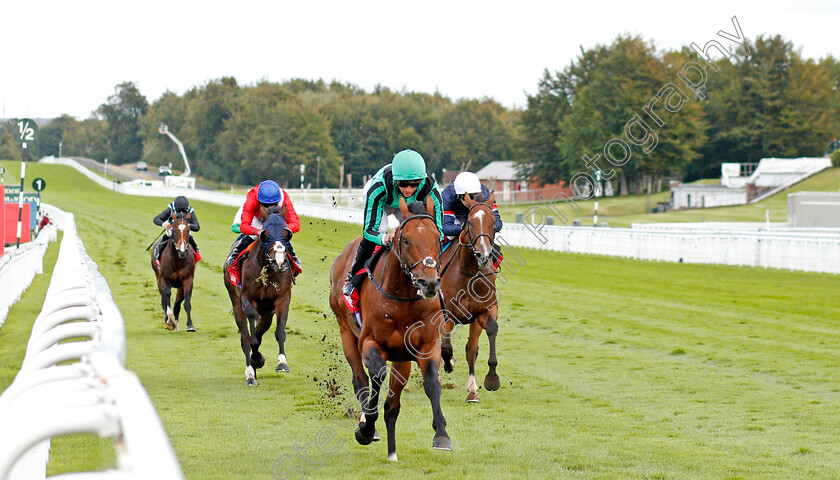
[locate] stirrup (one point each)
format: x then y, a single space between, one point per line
347 289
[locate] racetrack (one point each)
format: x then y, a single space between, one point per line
610 368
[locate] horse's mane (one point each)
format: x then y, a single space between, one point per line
417 207
479 197
272 209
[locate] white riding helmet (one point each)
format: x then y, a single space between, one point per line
467 182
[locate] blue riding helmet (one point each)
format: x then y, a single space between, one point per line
269 192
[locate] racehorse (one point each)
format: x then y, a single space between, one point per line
265 291
176 270
399 308
469 287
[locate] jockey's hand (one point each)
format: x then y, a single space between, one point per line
388 238
165 225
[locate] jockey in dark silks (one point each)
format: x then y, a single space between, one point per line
405 177
180 206
454 211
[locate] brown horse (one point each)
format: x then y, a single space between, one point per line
469 287
176 270
266 291
399 308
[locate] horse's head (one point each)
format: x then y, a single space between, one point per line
180 225
480 228
272 232
417 246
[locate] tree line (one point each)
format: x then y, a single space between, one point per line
637 114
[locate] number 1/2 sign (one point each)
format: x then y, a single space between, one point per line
26 130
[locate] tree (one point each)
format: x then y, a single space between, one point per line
123 111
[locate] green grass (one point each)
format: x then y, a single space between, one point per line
610 368
623 211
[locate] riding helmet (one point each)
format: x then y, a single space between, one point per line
269 192
181 203
467 182
408 165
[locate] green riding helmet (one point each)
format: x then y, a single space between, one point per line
408 165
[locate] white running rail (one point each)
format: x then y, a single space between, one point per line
93 394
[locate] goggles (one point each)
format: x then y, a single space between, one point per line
408 183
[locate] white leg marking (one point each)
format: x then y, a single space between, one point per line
392 457
249 373
281 358
472 387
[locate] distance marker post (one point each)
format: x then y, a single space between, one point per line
26 134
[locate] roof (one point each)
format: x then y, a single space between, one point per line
499 170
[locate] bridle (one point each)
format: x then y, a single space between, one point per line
471 243
406 265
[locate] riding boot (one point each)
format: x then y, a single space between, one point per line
195 247
363 253
297 261
240 244
159 246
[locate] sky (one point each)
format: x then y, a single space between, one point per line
66 57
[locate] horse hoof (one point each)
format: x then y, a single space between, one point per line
449 367
190 328
282 368
392 457
491 382
376 436
473 398
258 362
363 440
442 443
251 382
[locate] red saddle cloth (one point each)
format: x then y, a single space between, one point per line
353 302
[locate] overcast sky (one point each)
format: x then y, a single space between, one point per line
67 56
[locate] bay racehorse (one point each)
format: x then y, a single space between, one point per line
400 313
265 291
175 270
468 281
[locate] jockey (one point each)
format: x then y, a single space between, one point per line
454 211
180 206
405 177
248 220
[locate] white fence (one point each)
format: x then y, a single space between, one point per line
19 266
811 252
806 250
95 394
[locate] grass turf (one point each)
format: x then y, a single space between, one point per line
610 368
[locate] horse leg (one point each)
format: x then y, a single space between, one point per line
446 347
187 289
282 312
399 376
262 326
491 380
377 369
246 322
429 367
176 310
472 354
165 296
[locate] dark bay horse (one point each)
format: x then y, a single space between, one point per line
266 291
469 287
176 270
400 311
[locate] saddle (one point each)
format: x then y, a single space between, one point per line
357 281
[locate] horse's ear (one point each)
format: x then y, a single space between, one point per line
404 208
468 201
492 199
430 206
263 235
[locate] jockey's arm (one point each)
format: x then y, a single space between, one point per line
194 226
248 211
163 217
292 220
